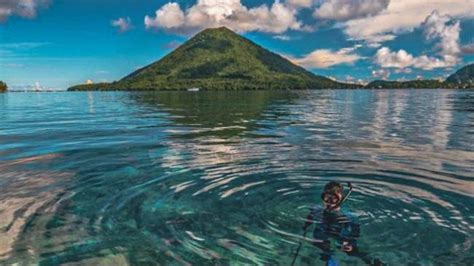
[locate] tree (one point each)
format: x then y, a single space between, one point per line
3 86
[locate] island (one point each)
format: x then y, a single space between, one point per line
464 75
461 79
3 87
219 59
414 84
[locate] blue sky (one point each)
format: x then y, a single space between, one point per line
59 43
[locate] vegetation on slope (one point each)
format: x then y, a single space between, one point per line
463 78
415 84
464 75
219 59
3 86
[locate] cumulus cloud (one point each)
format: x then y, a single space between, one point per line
438 28
22 8
342 10
386 58
168 16
277 18
446 31
403 16
324 58
300 3
381 74
402 59
123 24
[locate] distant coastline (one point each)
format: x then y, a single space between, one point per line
377 84
342 88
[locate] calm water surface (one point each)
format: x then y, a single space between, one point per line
226 178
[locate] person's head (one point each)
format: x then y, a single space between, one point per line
332 195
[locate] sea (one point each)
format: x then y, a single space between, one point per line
228 178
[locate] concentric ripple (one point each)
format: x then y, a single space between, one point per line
228 178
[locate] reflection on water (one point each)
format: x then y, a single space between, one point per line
227 177
22 196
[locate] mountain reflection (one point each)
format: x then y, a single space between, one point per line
221 114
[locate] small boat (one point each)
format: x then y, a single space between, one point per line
194 89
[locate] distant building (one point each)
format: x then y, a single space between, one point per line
89 82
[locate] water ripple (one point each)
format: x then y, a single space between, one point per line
228 178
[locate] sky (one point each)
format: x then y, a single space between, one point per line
58 43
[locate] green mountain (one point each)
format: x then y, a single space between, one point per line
410 84
219 59
462 79
464 75
3 86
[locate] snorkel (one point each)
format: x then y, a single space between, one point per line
347 195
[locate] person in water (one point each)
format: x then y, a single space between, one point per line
331 222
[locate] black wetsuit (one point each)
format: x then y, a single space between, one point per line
342 228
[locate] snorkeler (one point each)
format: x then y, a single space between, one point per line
331 222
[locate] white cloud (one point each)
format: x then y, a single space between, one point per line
277 18
300 3
401 59
386 58
381 74
123 24
403 70
282 37
404 16
349 9
168 16
376 40
438 28
443 29
324 58
22 8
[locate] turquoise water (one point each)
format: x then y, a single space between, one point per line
227 178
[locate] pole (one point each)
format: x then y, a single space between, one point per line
299 247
